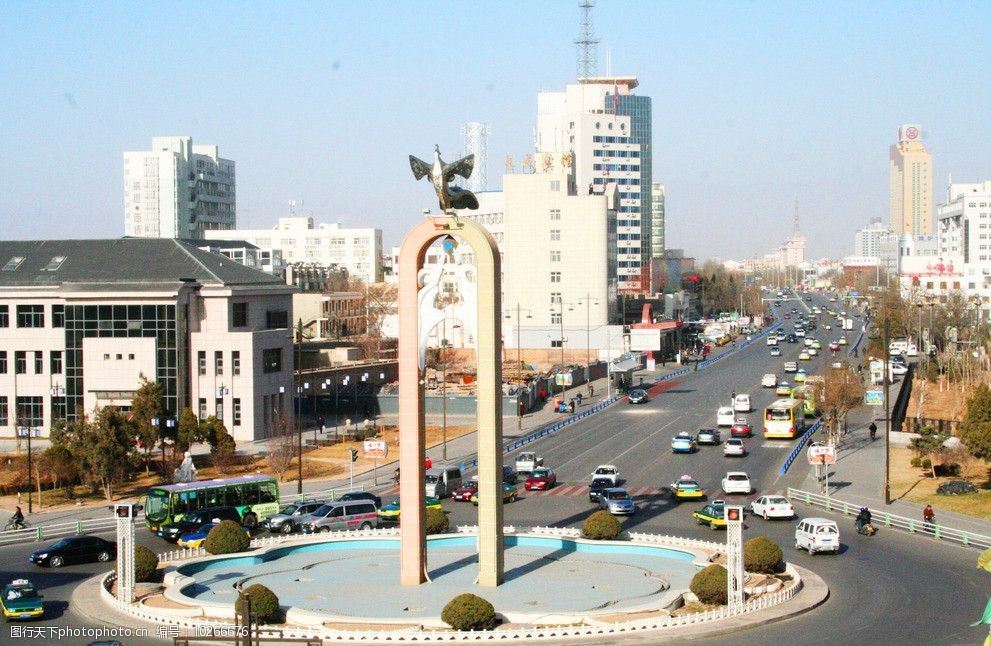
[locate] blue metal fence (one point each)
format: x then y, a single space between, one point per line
798 448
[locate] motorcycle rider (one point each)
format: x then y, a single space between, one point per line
863 519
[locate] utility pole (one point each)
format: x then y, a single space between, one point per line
443 385
299 395
887 411
519 361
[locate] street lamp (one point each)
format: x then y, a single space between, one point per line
519 362
589 301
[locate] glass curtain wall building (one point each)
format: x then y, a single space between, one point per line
638 108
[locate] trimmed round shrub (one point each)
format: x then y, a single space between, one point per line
601 526
436 522
226 538
264 603
468 612
145 564
709 585
761 555
916 461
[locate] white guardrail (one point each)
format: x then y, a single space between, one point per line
594 630
885 519
56 530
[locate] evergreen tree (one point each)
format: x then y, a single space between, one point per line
147 406
975 429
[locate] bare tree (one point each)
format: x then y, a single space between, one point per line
282 447
842 392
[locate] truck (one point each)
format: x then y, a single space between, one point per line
527 461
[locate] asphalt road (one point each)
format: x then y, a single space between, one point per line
891 588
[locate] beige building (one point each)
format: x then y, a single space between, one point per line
82 320
910 176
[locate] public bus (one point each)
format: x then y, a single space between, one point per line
784 418
807 394
256 497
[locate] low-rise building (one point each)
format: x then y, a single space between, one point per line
82 320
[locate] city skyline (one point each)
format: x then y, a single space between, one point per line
753 107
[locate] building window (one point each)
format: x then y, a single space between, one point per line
58 408
3 362
219 409
276 319
555 234
58 315
202 409
555 214
236 410
4 316
557 343
30 412
236 362
272 360
4 413
239 315
56 362
39 362
555 277
555 185
555 256
555 298
30 316
201 362
218 362
20 362
555 318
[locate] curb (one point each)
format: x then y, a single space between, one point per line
86 602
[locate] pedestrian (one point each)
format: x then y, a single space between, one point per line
543 395
571 405
578 397
591 390
873 429
928 516
732 398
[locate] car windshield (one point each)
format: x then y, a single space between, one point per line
637 393
21 592
687 483
288 510
617 495
601 482
433 479
777 501
65 542
736 476
539 473
778 415
605 470
206 527
157 505
323 510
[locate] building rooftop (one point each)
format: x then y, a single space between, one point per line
629 81
120 263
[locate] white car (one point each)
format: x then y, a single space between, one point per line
607 472
897 368
808 342
734 446
736 482
769 381
725 416
742 403
813 352
791 366
772 340
772 507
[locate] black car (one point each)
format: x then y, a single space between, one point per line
638 396
192 521
597 486
792 338
361 495
508 475
75 549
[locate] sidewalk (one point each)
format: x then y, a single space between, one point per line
858 475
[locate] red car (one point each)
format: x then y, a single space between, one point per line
742 428
834 346
540 480
465 491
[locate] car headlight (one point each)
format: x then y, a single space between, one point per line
42 555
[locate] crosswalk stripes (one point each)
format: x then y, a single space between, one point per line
572 490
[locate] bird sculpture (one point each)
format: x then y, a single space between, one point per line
441 175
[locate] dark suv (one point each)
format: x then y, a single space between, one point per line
191 521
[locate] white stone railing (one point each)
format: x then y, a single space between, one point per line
593 630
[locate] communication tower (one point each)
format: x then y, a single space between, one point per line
586 42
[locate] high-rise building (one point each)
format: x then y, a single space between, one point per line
607 130
867 241
657 220
910 184
177 190
299 240
963 223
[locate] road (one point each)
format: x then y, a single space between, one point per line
891 588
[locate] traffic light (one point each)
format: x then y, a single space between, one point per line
734 514
354 455
122 511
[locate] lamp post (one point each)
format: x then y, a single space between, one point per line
519 362
560 305
886 365
589 301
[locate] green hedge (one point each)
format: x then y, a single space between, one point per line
226 538
264 603
145 564
709 585
468 612
436 522
601 526
761 555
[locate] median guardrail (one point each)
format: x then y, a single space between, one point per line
56 530
885 519
801 444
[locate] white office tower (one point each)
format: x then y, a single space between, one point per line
607 130
178 190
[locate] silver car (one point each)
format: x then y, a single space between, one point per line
289 518
617 502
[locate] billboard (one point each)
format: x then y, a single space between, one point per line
645 340
822 454
377 449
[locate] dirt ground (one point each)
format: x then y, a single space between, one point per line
940 400
325 462
917 485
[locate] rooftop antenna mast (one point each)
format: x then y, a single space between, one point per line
586 42
796 216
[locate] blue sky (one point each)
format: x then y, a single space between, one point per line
755 104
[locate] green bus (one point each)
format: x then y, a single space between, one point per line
256 497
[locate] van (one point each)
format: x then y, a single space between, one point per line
442 480
817 535
741 403
339 516
898 347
